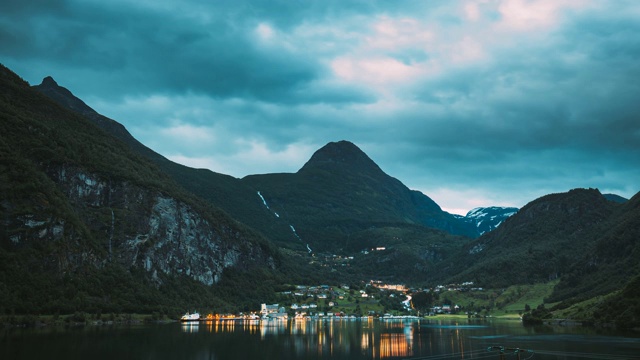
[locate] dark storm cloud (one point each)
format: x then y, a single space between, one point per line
555 114
139 49
484 103
538 98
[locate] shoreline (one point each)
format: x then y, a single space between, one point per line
78 320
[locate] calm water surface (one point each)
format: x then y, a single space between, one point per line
318 339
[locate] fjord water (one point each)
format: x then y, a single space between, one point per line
318 339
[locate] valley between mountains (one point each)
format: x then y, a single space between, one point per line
93 221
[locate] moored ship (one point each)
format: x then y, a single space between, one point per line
190 317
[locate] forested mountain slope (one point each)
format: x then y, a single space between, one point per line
540 242
611 260
87 223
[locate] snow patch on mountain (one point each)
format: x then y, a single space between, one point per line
488 218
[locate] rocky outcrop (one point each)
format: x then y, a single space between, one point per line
143 228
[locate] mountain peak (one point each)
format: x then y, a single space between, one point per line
340 154
49 82
63 96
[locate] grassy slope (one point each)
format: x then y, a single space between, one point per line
585 310
517 297
508 302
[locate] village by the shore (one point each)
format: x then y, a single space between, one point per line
374 300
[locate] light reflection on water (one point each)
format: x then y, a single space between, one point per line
373 338
314 339
382 339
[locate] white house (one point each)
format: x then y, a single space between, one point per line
269 309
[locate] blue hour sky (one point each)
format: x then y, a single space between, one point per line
474 103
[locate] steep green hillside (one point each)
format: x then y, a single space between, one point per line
88 224
611 260
539 243
587 243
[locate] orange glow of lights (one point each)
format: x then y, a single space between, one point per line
393 345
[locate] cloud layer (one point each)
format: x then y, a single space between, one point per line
479 103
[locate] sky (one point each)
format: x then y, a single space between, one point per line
474 103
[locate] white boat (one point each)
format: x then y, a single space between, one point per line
190 317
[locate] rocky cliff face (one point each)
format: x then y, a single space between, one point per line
135 227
